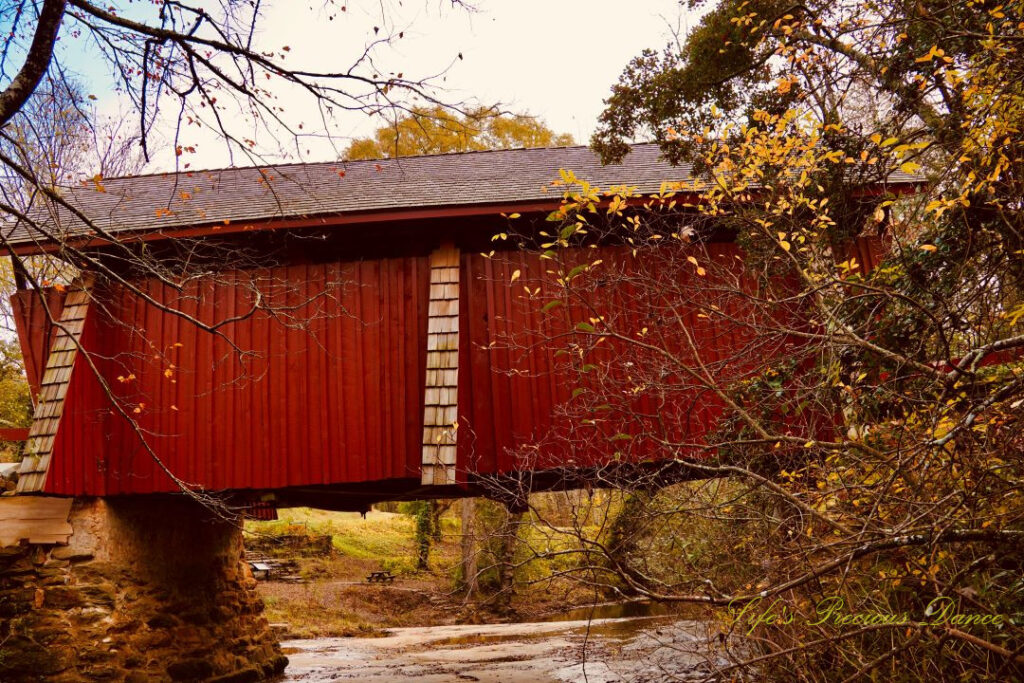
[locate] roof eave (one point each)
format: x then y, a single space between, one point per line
220 228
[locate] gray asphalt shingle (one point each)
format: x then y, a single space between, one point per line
177 200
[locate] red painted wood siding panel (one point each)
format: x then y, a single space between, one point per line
80 449
519 404
321 385
32 320
869 251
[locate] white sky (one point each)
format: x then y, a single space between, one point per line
556 59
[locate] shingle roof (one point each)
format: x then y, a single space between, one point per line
177 200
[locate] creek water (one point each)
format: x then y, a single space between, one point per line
616 610
638 643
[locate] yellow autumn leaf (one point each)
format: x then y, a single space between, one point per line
1016 314
700 271
934 52
515 275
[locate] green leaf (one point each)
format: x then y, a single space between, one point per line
576 271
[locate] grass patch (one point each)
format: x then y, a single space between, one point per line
382 537
311 614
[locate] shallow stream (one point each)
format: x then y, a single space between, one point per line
566 648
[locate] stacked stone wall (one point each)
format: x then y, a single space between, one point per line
148 589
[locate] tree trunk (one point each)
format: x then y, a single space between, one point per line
506 560
436 510
423 535
469 545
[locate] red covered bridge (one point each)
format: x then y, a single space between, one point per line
348 340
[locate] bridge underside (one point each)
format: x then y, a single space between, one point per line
511 489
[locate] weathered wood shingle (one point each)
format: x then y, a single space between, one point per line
35 463
441 394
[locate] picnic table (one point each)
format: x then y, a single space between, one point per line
380 577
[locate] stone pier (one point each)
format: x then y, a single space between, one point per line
147 589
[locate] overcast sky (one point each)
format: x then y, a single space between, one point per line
556 59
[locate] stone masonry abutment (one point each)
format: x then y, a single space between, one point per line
147 589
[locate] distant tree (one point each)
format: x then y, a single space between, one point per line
440 131
420 511
15 403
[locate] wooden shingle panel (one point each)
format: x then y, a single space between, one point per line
71 327
443 324
64 343
35 463
447 307
443 360
444 291
443 378
440 409
443 341
444 275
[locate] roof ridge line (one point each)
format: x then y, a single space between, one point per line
399 159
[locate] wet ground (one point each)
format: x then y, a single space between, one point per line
634 649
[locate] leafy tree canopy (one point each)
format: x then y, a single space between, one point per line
435 130
872 416
892 65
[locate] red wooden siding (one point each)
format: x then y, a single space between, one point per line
868 252
326 388
33 320
528 405
323 383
